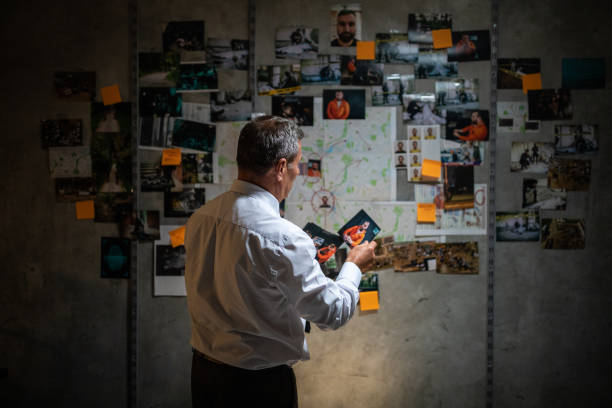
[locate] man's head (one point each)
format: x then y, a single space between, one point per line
475 116
400 145
339 95
415 145
400 159
364 226
346 26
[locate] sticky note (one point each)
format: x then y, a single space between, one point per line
365 50
368 300
532 81
431 168
171 157
110 95
177 237
442 38
426 212
85 210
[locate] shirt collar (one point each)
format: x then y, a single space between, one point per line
253 190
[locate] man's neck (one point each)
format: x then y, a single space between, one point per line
265 181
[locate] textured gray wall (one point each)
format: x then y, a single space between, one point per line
63 334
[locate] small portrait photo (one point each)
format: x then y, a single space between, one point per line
432 132
345 25
415 160
414 132
400 147
470 46
359 229
400 160
414 174
344 104
297 42
314 168
297 108
415 146
323 200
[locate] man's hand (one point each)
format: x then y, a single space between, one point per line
362 255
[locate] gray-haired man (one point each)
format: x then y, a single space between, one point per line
252 279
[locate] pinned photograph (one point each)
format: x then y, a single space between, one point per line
420 109
415 160
391 91
183 203
73 189
538 196
414 174
225 53
421 25
326 243
75 86
297 42
458 187
278 79
467 125
323 70
435 64
401 160
299 109
415 146
394 48
115 258
399 146
359 229
61 132
563 233
69 162
169 261
531 157
159 102
513 117
569 174
154 176
344 104
414 132
360 72
156 69
457 94
517 226
193 135
314 168
111 162
142 225
414 257
230 106
369 282
197 168
196 77
470 46
345 25
183 36
576 139
510 71
113 118
583 73
461 153
550 104
112 207
459 258
431 132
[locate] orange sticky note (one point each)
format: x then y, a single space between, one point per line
171 157
426 212
442 38
110 95
368 300
532 81
177 237
431 168
365 50
85 210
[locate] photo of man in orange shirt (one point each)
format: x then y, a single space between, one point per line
477 130
338 108
359 229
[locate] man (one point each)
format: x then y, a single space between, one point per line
338 108
477 130
252 278
400 161
355 234
400 148
346 26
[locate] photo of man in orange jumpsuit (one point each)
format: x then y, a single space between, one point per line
338 108
477 130
355 234
323 254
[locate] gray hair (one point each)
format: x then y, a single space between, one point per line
265 140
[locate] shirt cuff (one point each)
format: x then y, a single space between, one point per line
350 272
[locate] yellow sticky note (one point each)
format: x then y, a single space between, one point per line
177 237
110 95
171 157
368 300
431 168
426 212
365 50
442 38
532 81
85 210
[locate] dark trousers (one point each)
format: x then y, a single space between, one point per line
216 385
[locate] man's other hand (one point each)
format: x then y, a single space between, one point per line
362 254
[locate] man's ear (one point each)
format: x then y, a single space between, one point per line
280 168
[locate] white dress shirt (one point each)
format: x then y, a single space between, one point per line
252 278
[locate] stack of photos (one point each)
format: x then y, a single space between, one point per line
193 135
458 186
112 207
75 86
140 225
576 139
111 162
69 162
538 196
115 257
344 104
414 257
197 168
391 91
462 153
457 258
421 25
183 203
360 72
326 243
297 42
510 71
457 94
278 79
299 109
550 104
517 226
531 157
196 77
513 117
230 106
359 229
61 132
345 25
583 73
156 69
226 53
112 118
72 189
324 70
572 175
394 48
419 109
470 46
383 254
563 233
423 143
183 36
435 64
467 125
159 102
169 279
369 282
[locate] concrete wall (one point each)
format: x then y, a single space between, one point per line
64 330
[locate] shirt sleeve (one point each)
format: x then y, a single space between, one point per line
327 303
